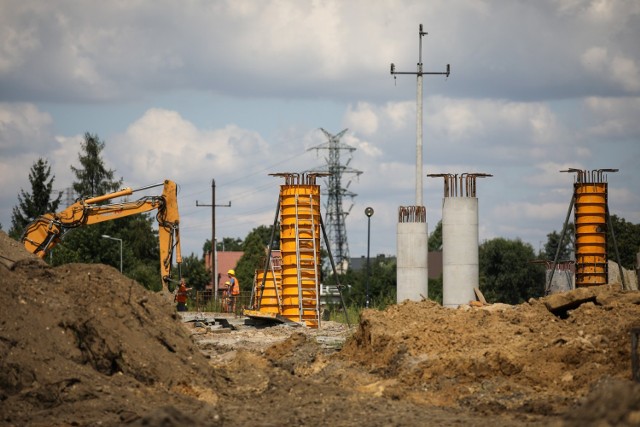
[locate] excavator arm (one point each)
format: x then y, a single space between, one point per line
46 231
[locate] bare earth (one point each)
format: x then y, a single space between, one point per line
82 345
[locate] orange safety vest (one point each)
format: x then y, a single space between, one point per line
182 294
235 286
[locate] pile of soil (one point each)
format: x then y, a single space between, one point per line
501 358
83 345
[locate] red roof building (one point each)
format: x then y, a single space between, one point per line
227 260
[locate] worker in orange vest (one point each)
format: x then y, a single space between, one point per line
235 289
182 295
226 292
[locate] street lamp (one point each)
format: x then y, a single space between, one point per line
119 240
369 213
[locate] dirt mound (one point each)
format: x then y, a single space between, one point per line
81 344
84 345
500 358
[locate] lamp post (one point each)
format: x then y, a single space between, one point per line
369 213
119 240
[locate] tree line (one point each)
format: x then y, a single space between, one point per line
507 271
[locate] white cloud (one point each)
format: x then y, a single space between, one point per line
303 49
618 69
24 128
511 131
615 117
362 118
548 174
625 71
234 90
162 144
530 211
400 113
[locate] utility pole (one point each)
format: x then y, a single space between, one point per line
419 73
214 258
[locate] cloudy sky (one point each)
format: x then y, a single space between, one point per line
235 90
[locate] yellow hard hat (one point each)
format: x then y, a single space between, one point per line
233 273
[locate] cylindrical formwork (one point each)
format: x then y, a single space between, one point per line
300 248
412 251
460 269
272 288
591 233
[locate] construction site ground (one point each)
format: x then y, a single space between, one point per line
83 345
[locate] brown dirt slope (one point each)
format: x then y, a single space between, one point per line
502 358
81 344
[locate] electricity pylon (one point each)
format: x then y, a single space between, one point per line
335 213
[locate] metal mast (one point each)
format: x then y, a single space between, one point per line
335 214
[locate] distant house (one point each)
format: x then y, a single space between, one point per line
227 260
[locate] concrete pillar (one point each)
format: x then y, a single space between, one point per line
460 271
412 268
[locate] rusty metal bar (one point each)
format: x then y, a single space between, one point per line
463 185
300 178
408 214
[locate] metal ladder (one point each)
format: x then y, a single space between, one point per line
306 257
277 283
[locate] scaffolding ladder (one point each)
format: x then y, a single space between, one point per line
307 261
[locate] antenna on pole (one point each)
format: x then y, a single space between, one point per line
419 73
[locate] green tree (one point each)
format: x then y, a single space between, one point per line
227 244
381 280
85 244
36 203
255 251
435 245
435 239
435 290
195 273
141 252
140 249
627 237
93 178
506 272
553 241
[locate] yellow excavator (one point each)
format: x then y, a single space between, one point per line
46 231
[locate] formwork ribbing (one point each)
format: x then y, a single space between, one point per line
591 233
300 248
268 299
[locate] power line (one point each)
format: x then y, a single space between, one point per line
335 214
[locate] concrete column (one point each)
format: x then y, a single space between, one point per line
412 268
460 270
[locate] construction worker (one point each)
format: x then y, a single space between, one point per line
182 295
235 289
226 291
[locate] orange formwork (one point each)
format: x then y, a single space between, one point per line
300 249
269 299
591 233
